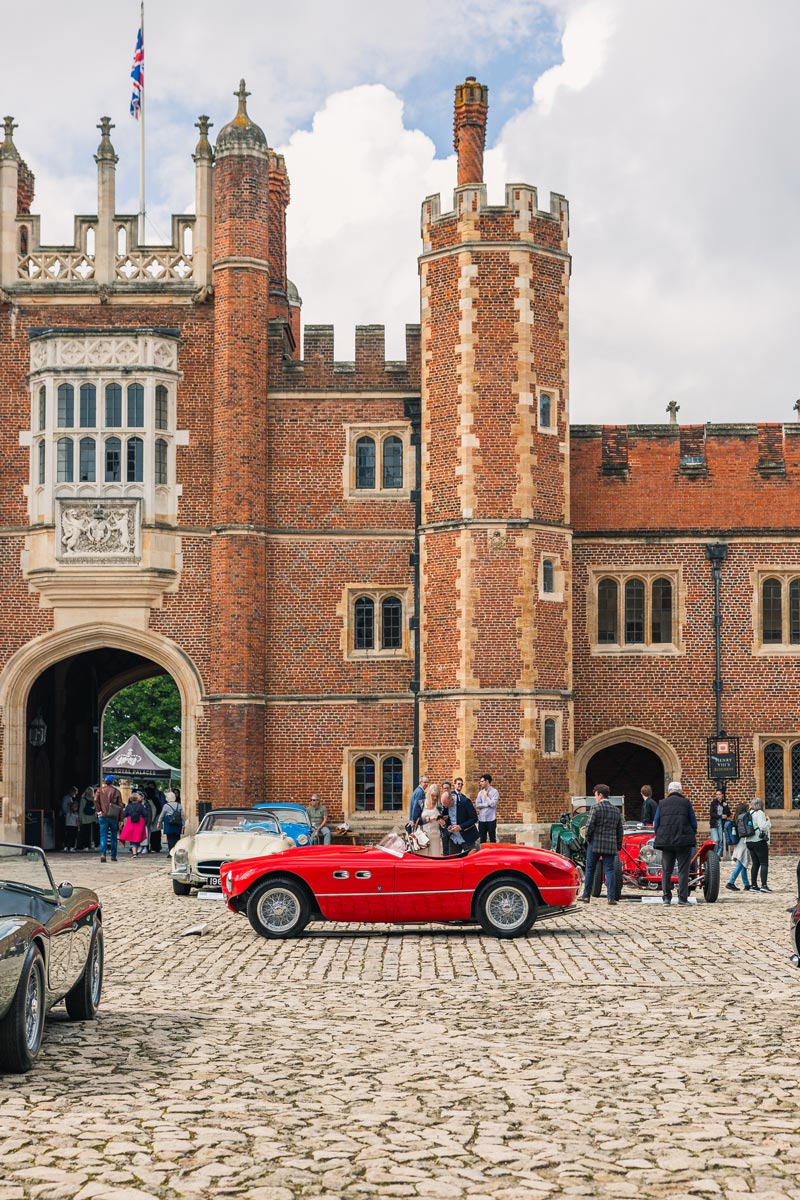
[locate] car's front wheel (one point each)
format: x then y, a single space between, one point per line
278 908
83 1000
181 889
506 907
711 877
22 1027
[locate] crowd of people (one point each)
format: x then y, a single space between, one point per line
98 819
443 820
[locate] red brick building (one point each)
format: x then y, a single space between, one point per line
354 571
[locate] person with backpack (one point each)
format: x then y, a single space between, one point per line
741 856
171 818
758 845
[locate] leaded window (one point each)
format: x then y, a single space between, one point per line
771 612
42 460
42 407
607 616
113 453
135 464
548 576
544 410
662 611
161 461
113 406
88 406
364 624
365 463
66 406
87 456
64 460
392 784
796 775
162 407
391 623
135 406
634 611
794 612
392 462
773 775
549 735
365 784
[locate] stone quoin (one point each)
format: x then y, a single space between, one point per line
358 571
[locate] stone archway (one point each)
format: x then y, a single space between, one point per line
643 738
28 664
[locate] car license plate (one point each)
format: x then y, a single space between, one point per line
211 881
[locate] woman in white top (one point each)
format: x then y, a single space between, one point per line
429 823
758 845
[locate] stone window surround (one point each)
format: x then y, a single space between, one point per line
554 395
557 716
647 574
351 756
759 576
787 741
353 592
558 577
379 431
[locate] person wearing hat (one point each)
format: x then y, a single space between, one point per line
675 829
108 806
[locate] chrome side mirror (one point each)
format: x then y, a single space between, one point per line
65 890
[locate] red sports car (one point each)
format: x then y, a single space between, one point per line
641 864
502 888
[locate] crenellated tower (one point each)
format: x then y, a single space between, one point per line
495 541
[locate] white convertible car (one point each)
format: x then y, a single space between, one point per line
224 835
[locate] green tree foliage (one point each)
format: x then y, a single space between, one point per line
152 710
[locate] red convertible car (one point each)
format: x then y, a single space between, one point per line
505 889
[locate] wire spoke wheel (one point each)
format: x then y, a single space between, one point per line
508 907
34 1011
278 909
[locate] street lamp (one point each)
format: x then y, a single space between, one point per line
37 730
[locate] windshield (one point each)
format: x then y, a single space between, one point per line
393 843
25 868
291 816
243 822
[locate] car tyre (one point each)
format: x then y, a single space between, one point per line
278 908
22 1027
711 877
599 879
181 889
506 907
84 999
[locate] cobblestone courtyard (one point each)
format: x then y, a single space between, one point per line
588 1059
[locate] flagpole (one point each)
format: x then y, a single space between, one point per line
141 142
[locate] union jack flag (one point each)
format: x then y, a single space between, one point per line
137 76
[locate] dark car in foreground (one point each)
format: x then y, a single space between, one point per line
795 927
51 949
504 889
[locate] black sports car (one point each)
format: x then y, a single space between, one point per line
51 949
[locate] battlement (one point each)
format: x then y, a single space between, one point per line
317 370
472 218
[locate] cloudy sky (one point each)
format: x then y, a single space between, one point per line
670 125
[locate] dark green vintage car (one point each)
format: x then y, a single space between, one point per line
568 837
51 949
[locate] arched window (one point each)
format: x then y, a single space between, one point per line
42 460
66 406
391 624
392 463
662 611
88 406
771 612
64 461
544 411
135 465
773 775
113 406
135 406
162 407
607 616
86 460
794 612
365 784
113 452
161 461
634 611
548 576
42 407
365 462
550 735
392 784
364 626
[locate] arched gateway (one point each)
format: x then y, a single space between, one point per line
72 674
626 758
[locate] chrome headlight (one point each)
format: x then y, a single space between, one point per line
229 881
582 833
181 860
302 840
647 853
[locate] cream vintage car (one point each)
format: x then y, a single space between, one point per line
224 835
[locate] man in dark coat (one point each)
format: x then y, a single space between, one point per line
603 843
675 828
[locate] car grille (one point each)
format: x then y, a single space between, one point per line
209 868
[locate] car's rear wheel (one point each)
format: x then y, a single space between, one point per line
83 1000
506 907
181 889
278 908
711 877
599 879
22 1027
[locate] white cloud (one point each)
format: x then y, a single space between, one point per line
584 44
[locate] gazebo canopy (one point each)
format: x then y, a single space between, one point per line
133 760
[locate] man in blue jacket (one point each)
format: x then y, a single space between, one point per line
675 829
417 801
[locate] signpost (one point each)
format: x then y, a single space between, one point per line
723 757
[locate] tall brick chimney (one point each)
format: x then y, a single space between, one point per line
469 129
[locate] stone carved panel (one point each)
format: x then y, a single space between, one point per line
98 531
109 352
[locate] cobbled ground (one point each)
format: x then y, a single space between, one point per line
635 1051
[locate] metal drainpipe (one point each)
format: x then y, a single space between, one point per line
413 413
716 553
